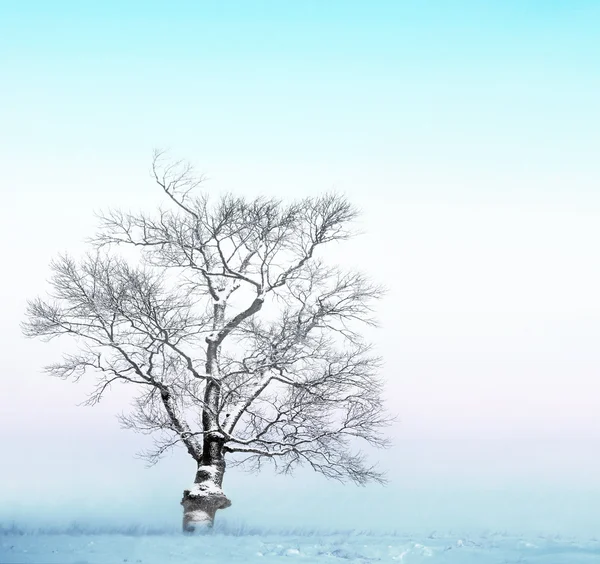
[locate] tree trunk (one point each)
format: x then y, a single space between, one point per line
206 496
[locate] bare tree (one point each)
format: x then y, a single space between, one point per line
243 343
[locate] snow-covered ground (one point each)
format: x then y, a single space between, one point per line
76 546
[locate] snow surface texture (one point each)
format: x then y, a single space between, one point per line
79 547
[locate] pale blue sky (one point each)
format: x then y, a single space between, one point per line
467 132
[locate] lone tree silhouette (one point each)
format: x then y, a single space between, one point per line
242 342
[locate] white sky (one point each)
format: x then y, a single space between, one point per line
490 324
